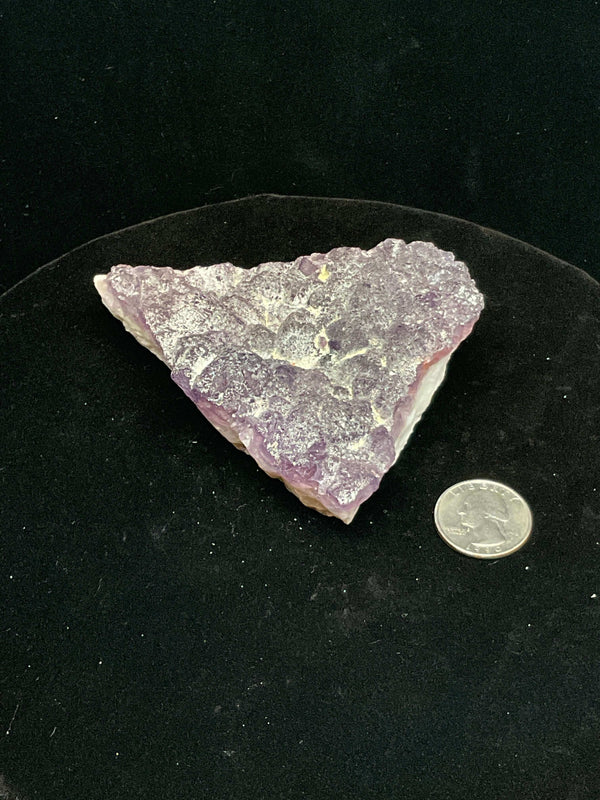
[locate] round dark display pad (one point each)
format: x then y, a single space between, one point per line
175 624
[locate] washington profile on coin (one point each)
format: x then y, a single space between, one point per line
483 519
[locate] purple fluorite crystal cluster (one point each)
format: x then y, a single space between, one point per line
318 368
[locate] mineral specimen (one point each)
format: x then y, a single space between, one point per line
318 368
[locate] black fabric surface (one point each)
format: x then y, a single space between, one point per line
175 624
117 111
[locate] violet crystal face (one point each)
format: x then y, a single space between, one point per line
318 368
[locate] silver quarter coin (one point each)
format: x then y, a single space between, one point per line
483 519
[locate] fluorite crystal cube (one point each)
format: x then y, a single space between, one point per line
318 368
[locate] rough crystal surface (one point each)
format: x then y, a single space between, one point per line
318 368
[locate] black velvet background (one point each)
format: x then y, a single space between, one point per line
118 111
176 625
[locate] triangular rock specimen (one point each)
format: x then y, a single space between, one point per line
318 368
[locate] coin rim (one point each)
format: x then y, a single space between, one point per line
483 556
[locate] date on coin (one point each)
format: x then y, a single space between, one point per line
483 519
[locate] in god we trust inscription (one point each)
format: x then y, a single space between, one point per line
483 519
